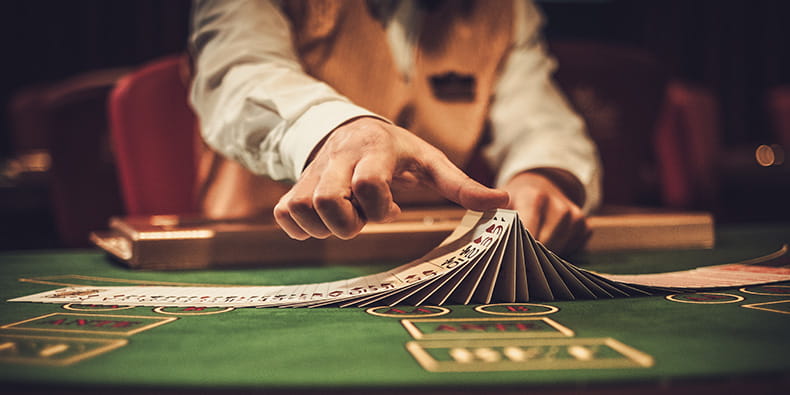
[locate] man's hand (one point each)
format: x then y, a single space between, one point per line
350 180
547 211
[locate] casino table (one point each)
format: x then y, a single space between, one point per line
728 341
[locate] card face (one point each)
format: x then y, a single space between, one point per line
465 288
504 289
609 286
522 286
442 294
492 241
572 281
596 289
484 289
556 284
489 257
539 288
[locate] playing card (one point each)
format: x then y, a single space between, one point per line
489 257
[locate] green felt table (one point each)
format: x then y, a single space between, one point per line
692 347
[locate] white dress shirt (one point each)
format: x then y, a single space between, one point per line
256 104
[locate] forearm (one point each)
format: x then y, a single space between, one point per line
255 103
534 128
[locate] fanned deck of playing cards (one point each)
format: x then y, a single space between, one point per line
490 257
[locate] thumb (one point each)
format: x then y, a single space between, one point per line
454 184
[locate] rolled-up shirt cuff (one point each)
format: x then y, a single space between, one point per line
312 127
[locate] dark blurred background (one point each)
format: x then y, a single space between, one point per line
62 58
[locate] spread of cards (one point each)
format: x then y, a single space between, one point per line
489 257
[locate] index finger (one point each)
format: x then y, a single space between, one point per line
455 185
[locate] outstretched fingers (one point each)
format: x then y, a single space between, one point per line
454 184
350 179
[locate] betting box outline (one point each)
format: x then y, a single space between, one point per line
441 311
736 298
746 290
159 321
632 357
760 306
417 334
482 309
109 345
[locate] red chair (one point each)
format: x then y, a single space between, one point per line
779 108
153 128
64 124
657 138
687 144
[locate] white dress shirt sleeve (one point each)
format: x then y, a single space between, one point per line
254 102
532 124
